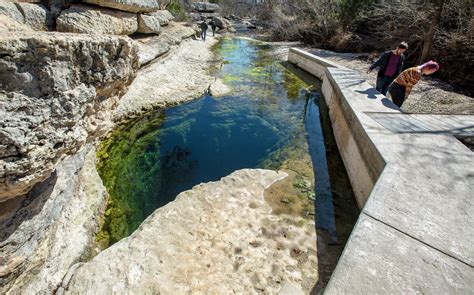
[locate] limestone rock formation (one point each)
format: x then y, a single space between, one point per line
10 9
35 16
148 24
153 47
205 7
95 20
7 24
43 233
197 16
217 238
164 17
128 5
57 92
221 22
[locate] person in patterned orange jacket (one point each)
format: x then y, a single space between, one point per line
401 87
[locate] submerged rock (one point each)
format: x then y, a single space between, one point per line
96 20
57 92
128 5
216 238
43 233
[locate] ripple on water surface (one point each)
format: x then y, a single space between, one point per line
262 124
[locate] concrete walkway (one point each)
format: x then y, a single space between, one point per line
414 181
458 125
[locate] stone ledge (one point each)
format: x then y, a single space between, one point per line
414 182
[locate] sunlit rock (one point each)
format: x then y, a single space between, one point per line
56 93
96 20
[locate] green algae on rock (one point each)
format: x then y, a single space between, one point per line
128 165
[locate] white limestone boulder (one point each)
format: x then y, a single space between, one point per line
7 24
36 16
128 5
11 10
148 24
152 22
205 7
96 20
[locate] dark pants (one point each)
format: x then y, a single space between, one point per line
213 31
203 35
383 82
397 92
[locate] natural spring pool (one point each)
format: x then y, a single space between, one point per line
271 120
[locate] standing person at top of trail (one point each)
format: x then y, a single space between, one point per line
204 28
213 27
390 64
401 87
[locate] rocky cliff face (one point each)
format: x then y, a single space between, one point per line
52 227
56 94
219 237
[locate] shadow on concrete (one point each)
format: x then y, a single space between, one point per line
389 104
370 92
15 211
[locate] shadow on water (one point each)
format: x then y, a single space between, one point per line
336 208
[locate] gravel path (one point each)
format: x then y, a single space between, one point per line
428 96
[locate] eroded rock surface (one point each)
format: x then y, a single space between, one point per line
46 231
129 5
7 24
205 7
36 16
148 24
96 20
164 17
155 46
57 92
152 23
219 237
9 9
182 76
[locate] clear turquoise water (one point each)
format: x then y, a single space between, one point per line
267 118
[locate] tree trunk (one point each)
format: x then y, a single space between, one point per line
429 35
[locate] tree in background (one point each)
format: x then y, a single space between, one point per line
435 29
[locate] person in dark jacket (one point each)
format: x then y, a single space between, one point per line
204 28
390 65
213 27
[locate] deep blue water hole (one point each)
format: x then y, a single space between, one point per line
270 118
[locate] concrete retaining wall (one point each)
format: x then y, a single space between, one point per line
414 182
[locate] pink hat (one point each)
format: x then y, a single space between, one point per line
432 65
